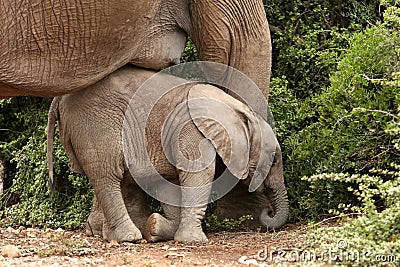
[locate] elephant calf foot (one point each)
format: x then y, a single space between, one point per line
189 229
190 235
124 232
94 223
159 228
93 229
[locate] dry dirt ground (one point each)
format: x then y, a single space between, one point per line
39 247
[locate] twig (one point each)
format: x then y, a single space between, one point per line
371 79
378 111
9 130
335 217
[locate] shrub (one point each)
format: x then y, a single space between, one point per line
309 39
366 93
26 198
346 132
376 232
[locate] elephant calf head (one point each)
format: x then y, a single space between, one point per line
248 148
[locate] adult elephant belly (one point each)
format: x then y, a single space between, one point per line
50 48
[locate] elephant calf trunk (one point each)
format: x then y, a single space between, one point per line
281 206
276 192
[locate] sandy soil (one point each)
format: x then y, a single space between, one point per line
39 247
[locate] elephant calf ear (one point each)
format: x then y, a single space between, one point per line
262 155
224 121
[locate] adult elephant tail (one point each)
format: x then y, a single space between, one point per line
51 123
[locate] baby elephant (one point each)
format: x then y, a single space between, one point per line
91 123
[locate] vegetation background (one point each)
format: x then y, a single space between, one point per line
335 96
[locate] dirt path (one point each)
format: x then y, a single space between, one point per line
35 247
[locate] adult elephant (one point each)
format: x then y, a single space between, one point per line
50 48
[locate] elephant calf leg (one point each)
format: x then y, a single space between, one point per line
196 174
158 227
117 225
135 203
196 189
95 221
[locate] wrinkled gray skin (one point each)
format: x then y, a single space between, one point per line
50 48
90 125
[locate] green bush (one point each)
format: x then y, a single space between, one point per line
353 115
361 114
336 124
309 35
376 231
26 198
309 39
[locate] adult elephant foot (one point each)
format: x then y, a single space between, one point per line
159 228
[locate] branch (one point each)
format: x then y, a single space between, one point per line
378 111
372 80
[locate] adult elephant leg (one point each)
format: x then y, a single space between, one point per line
235 33
117 225
159 227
